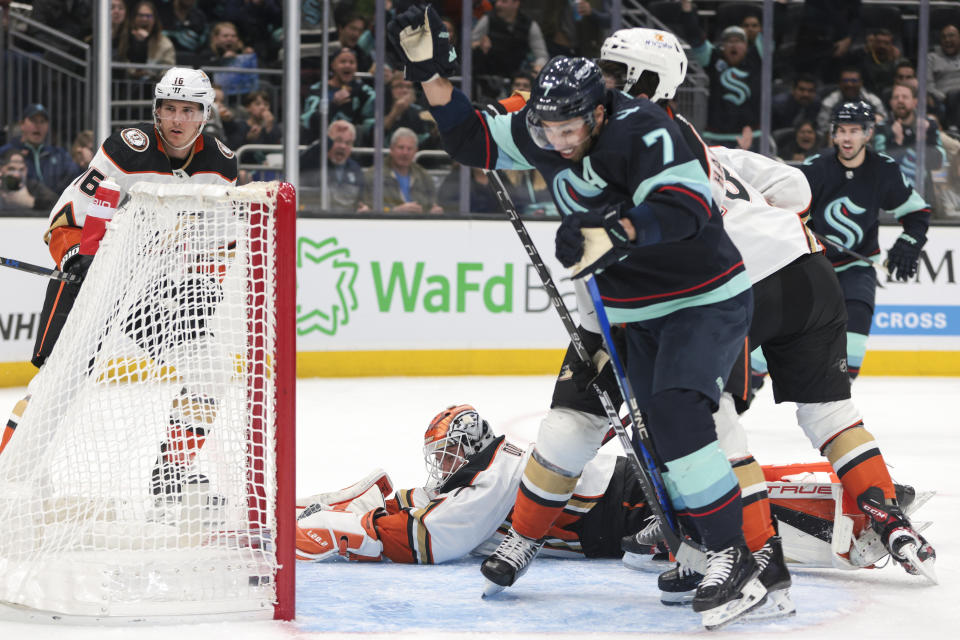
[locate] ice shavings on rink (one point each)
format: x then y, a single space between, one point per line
553 596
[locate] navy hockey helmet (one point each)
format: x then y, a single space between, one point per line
853 112
567 88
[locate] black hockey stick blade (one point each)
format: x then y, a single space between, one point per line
53 274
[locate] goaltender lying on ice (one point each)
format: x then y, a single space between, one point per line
473 477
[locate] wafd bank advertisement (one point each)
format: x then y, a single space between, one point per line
384 297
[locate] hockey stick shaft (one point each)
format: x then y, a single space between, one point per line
649 475
881 274
53 274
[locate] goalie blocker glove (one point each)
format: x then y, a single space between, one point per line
903 256
422 42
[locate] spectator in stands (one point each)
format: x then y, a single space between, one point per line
348 34
46 163
256 21
350 99
407 187
733 106
482 197
225 43
804 143
81 151
220 114
824 35
259 127
74 19
950 194
850 90
897 137
344 175
880 60
144 42
186 26
118 24
404 112
17 191
521 81
800 103
530 193
505 40
943 73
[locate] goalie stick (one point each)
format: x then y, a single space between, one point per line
684 550
53 274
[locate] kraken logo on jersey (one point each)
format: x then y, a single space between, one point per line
738 91
838 215
569 188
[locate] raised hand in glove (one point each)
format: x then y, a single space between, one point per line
422 42
903 256
591 241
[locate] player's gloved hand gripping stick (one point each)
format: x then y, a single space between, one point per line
684 550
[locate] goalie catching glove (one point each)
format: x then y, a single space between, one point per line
422 42
321 533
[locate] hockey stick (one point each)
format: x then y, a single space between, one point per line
53 274
650 481
881 273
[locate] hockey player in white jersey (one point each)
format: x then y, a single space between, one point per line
799 321
169 150
466 505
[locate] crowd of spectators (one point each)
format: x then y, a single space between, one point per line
825 52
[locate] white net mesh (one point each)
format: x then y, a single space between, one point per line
141 478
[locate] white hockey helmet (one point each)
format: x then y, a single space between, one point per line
454 435
648 50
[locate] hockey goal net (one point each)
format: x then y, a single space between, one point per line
151 474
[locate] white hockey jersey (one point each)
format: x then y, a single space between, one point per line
428 528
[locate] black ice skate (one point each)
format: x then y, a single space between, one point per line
646 549
678 585
776 580
891 527
508 562
730 588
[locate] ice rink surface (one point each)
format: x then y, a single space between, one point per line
346 427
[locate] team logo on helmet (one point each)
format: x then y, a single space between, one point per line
135 139
224 149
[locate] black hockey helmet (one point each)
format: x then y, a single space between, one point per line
853 112
566 88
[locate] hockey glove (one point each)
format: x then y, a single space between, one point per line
903 256
591 241
422 42
75 263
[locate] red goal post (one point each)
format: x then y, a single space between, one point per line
151 476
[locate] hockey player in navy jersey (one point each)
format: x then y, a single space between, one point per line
850 186
673 276
798 320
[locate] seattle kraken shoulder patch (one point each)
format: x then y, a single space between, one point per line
224 149
135 139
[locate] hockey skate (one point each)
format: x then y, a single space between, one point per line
776 580
891 532
508 562
189 502
730 588
646 549
678 585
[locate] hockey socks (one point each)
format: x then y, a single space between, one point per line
856 458
757 521
12 422
543 493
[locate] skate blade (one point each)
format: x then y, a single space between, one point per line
754 595
645 562
682 599
779 604
924 568
491 589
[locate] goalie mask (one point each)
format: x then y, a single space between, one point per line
454 435
185 85
651 50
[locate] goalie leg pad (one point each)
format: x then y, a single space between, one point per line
323 534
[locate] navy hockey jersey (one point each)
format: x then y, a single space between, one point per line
847 202
640 161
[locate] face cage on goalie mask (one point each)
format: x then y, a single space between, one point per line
445 452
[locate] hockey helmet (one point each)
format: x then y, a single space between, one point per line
652 50
454 435
853 112
189 85
567 88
